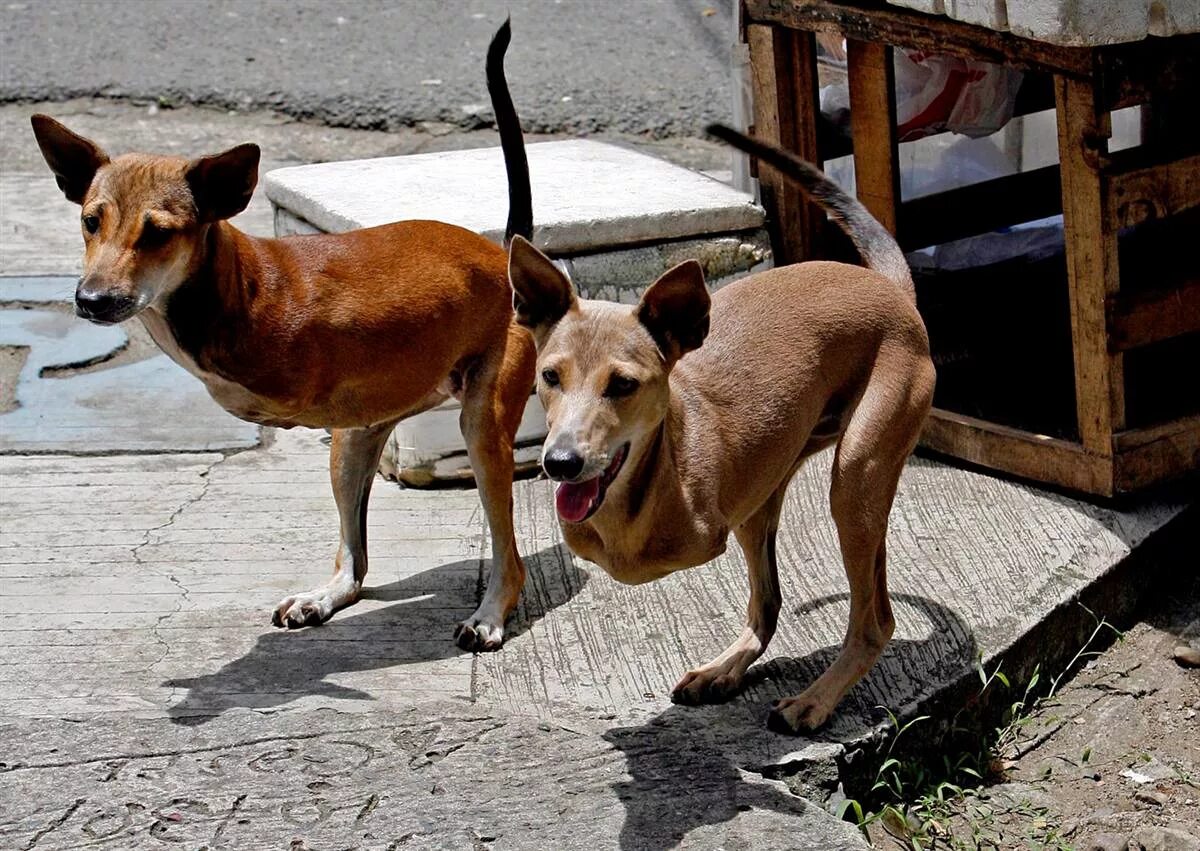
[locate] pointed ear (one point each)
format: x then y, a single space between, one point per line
73 159
223 183
541 293
674 310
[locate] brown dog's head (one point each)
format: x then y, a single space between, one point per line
144 218
603 369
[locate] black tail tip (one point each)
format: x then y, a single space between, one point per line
720 131
503 34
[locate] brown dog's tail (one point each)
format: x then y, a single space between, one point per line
877 247
512 142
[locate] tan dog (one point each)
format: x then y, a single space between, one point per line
352 331
663 446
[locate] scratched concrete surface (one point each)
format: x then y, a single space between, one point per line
135 600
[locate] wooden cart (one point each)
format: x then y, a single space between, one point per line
1110 450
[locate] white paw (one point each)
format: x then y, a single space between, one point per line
482 632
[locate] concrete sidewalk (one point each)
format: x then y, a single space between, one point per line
146 697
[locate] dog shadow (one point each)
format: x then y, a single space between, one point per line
691 767
287 665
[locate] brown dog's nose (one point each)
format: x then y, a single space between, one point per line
99 305
562 464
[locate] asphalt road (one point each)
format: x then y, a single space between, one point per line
658 67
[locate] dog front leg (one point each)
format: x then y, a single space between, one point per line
353 460
494 399
721 678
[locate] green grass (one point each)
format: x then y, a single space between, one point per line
926 803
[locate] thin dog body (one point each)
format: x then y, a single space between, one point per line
352 331
663 446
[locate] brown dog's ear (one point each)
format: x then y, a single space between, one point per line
674 310
223 183
73 159
541 293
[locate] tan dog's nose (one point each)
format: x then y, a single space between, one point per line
562 465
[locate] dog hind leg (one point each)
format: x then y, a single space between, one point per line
494 399
866 471
353 461
721 678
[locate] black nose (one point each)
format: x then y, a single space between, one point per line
562 464
92 304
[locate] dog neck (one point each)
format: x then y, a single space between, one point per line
628 535
208 311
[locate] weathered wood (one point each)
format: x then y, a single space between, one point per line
784 83
871 78
1151 455
1137 72
1138 192
1020 453
864 21
980 208
1092 270
1144 318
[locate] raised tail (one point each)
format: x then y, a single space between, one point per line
877 247
512 142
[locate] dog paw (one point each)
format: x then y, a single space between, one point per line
297 612
478 636
795 715
700 686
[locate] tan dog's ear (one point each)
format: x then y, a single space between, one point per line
541 293
223 183
674 310
73 159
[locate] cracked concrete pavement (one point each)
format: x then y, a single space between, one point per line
146 698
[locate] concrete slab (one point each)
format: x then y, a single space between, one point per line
1071 22
586 195
145 584
446 776
103 410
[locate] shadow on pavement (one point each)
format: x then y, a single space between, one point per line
284 665
694 766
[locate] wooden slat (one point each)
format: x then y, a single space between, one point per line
871 78
875 22
1145 318
1092 270
980 208
1149 456
784 80
1137 193
1020 453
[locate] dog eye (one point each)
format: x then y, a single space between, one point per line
619 386
153 235
550 377
91 223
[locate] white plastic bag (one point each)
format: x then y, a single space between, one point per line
936 93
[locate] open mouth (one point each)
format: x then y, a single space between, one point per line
577 501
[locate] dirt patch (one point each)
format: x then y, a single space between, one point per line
1111 762
12 361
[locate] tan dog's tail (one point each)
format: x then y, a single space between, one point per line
878 248
512 142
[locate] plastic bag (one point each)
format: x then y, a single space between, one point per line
966 96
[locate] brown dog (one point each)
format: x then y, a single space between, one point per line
663 446
352 331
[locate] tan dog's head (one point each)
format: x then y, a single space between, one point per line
603 369
144 217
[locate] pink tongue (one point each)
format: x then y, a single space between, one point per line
575 498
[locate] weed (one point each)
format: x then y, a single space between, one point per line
918 801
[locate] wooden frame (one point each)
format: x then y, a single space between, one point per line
1097 192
